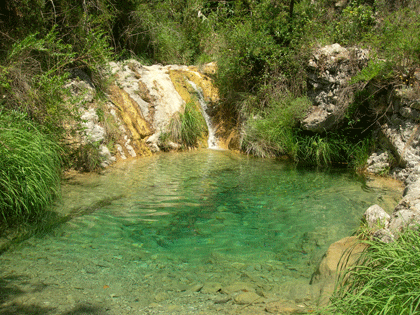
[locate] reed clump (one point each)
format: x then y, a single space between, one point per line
385 280
186 128
30 169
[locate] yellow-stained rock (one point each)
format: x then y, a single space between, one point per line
133 119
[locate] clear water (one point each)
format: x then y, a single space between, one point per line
170 233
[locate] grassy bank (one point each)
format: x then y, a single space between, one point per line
385 280
30 171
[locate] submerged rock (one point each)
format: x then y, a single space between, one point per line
244 298
340 255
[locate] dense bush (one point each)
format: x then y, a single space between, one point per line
36 70
271 132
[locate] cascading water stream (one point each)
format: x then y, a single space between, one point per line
212 140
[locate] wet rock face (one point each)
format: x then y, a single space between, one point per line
329 72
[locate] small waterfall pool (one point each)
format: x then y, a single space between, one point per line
184 233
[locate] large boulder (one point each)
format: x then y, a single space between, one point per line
340 255
329 72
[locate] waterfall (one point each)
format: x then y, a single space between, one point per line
212 140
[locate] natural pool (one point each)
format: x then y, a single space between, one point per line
186 233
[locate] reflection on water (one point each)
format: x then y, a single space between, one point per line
177 229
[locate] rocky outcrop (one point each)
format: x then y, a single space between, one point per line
157 93
399 135
139 107
397 127
329 72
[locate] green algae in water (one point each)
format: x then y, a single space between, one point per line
185 219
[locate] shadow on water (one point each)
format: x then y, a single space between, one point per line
49 221
10 289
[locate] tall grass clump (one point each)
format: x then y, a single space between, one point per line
30 169
333 148
186 128
270 131
385 279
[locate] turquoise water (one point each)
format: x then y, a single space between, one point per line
169 233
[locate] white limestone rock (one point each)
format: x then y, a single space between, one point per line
330 69
376 217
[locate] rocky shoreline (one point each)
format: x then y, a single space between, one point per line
396 126
396 129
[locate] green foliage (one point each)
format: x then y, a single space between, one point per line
395 48
87 158
385 279
30 169
260 45
355 20
186 128
271 131
319 150
333 148
35 73
167 31
359 151
192 125
242 61
32 78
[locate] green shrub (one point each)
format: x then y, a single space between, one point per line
385 279
355 20
395 48
30 169
167 31
318 150
333 148
242 62
87 158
